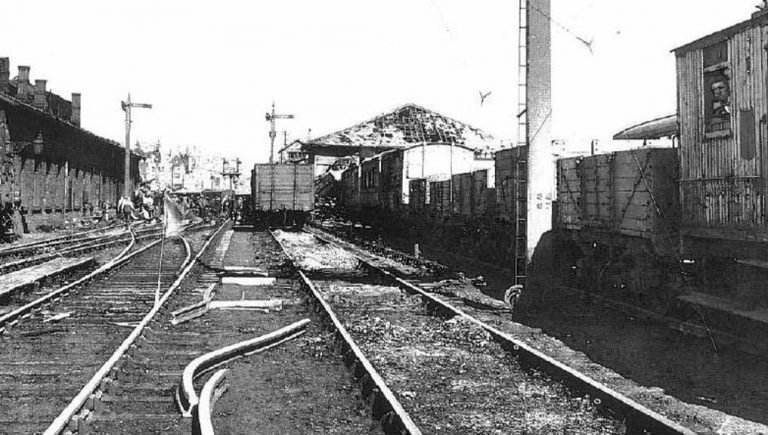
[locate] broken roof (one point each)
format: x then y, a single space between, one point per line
407 125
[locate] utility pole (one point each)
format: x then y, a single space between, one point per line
536 57
127 105
271 117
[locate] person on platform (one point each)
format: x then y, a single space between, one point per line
7 233
18 220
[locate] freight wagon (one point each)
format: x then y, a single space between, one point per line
282 194
655 222
383 182
618 213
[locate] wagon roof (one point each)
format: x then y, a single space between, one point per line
405 126
654 129
759 18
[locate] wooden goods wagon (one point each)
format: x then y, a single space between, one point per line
511 167
391 181
471 195
385 177
279 187
483 196
349 194
440 196
630 193
462 194
369 182
722 83
419 194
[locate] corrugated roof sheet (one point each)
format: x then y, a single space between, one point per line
653 129
407 125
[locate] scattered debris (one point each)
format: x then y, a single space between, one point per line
126 324
42 332
248 280
57 317
266 305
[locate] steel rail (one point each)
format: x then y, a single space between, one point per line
82 246
638 417
52 241
117 261
77 240
383 403
61 422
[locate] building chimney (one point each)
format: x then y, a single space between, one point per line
75 117
23 89
5 74
40 101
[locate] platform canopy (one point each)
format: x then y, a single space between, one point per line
405 126
654 129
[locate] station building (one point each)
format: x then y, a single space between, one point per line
51 169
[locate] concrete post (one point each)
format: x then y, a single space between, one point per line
541 164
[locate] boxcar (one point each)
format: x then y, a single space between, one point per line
282 194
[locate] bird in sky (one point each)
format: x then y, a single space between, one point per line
483 96
587 43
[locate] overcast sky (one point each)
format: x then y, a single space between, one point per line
212 69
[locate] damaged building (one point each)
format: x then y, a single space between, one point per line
50 167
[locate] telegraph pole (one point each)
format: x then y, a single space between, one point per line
271 117
127 105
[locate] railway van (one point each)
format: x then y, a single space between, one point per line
282 194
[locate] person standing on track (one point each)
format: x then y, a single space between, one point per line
125 208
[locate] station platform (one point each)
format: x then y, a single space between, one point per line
749 327
16 281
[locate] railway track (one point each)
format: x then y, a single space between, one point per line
34 285
27 256
415 371
456 375
47 355
147 394
54 241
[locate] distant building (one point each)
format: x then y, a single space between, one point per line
191 170
293 153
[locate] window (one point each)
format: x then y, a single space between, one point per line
717 90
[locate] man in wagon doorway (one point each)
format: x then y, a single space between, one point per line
721 100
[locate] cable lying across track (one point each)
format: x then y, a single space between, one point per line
200 408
